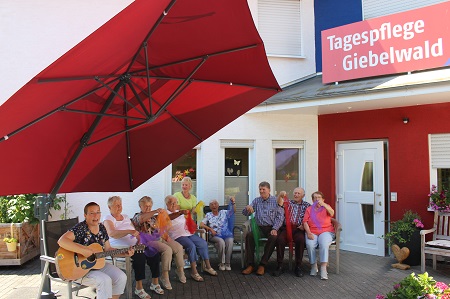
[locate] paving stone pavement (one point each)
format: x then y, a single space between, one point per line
361 276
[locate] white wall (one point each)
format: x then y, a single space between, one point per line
35 33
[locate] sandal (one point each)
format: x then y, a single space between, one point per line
211 271
165 283
156 288
197 277
142 294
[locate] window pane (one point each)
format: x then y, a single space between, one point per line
236 182
186 165
367 178
367 212
443 178
287 170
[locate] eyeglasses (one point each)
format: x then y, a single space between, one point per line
94 213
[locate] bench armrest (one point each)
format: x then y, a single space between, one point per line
427 231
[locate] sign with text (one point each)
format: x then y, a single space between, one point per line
413 40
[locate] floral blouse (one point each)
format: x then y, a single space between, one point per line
215 222
85 237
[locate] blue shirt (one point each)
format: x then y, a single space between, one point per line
267 212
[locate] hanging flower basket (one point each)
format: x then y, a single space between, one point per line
439 200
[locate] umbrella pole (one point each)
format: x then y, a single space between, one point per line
41 207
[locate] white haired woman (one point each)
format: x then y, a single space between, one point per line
186 200
123 234
214 223
190 242
167 247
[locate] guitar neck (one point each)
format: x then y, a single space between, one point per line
111 252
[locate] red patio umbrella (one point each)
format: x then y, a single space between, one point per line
147 86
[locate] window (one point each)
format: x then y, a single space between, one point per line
186 165
279 24
288 171
440 160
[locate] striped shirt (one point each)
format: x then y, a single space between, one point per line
297 211
267 212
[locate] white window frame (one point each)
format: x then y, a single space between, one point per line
439 149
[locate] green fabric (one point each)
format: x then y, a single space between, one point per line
256 236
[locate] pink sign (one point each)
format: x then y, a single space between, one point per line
408 41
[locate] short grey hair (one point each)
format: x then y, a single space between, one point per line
168 197
145 199
112 199
213 200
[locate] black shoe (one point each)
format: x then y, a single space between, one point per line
278 271
298 271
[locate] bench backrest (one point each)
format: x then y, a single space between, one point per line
442 225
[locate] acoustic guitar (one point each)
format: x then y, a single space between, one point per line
71 266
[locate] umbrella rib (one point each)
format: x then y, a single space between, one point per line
105 114
84 140
138 98
122 98
178 120
147 37
60 108
148 78
180 88
198 57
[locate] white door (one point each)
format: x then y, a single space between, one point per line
360 195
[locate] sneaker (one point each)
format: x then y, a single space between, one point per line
221 267
142 294
211 271
323 274
227 267
313 270
156 288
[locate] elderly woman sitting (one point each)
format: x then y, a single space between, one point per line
144 222
215 222
190 242
123 234
319 232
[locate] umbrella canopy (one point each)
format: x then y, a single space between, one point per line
147 86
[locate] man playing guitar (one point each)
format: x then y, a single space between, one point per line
108 281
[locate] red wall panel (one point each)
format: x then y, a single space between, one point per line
407 150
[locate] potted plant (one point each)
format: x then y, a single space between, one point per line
406 233
418 286
11 243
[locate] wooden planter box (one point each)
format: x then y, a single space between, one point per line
27 245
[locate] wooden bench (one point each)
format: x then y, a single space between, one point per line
335 245
440 243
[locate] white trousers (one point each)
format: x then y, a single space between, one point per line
107 281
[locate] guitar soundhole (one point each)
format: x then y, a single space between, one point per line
91 258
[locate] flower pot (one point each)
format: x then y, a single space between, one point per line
414 248
11 246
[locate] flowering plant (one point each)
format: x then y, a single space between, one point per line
10 240
402 230
418 286
179 175
439 200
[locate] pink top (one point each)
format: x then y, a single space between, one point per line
324 221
